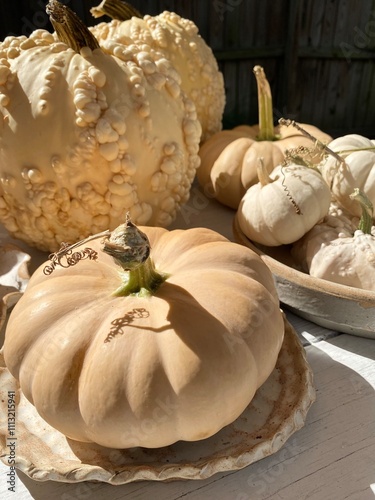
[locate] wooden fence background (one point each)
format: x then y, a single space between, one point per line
319 56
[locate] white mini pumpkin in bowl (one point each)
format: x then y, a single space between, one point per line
322 300
284 205
337 251
356 170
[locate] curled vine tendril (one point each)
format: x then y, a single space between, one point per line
72 258
317 143
288 194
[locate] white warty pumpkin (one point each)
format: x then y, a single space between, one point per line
87 137
177 40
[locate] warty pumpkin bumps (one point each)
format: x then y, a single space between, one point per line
175 41
87 136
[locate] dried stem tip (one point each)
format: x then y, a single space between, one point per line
69 27
262 173
127 245
116 9
130 248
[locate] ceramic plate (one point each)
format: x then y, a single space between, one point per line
14 276
331 305
278 409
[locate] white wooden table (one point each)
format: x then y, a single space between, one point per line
331 458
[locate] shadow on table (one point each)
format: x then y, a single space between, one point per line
356 345
311 333
342 393
337 438
302 325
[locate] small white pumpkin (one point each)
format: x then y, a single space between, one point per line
356 171
284 205
348 258
336 224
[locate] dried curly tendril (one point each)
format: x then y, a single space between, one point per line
130 249
65 257
264 179
303 155
317 143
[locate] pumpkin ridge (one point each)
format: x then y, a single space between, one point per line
179 364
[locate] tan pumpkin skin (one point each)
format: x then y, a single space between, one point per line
180 365
229 158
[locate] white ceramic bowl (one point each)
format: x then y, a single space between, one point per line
331 305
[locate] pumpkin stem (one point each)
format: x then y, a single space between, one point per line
262 173
265 109
116 9
69 28
130 249
365 222
354 150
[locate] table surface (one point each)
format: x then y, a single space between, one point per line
331 457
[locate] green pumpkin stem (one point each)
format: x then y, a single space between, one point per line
366 220
265 108
69 27
116 9
130 249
